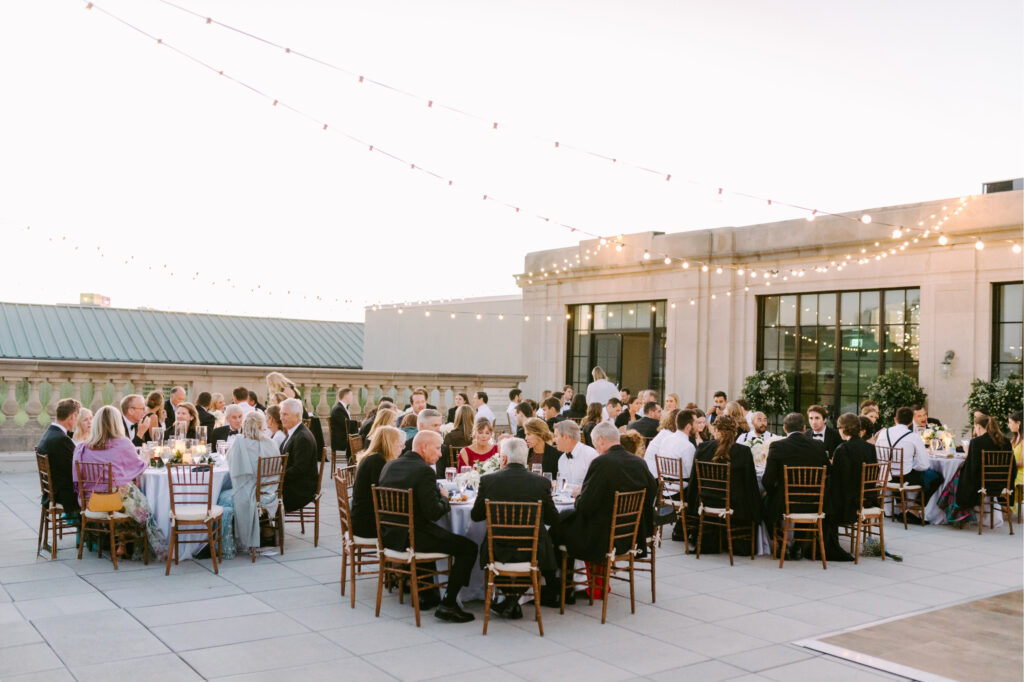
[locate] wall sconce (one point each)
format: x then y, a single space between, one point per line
947 363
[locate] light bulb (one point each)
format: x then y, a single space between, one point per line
647 255
452 316
568 316
943 240
549 318
1016 248
686 265
479 316
740 271
979 245
866 219
703 268
501 316
426 313
718 271
897 233
668 261
618 247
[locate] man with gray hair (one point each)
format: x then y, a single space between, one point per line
576 456
514 483
136 423
233 417
300 477
176 397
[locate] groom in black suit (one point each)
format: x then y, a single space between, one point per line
797 449
58 447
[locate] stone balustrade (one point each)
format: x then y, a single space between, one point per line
30 389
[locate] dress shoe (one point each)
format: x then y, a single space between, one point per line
513 611
452 614
795 553
429 600
570 596
498 607
550 599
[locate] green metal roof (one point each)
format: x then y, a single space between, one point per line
72 332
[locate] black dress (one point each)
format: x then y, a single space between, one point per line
744 495
548 460
842 494
364 523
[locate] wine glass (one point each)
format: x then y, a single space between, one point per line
563 482
536 468
465 470
180 430
201 435
156 434
449 474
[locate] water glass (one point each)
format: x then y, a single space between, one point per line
465 470
222 448
536 468
449 474
180 430
156 434
201 435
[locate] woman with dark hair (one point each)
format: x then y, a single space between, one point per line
987 436
459 400
744 495
577 408
187 413
593 418
843 494
701 433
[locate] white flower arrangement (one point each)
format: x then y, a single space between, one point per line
759 449
936 432
447 428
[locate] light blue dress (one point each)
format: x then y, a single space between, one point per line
243 458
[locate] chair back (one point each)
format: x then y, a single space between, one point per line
996 471
578 420
713 482
190 484
873 479
393 508
320 473
93 477
626 514
344 510
325 424
348 475
670 471
893 457
355 444
45 485
453 456
270 471
804 489
513 526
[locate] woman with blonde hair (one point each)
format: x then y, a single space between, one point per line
243 461
633 443
217 409
384 417
279 383
108 444
84 424
733 409
666 427
671 401
538 439
385 445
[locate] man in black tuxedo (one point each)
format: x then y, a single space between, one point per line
796 450
647 425
300 478
136 423
203 408
586 529
821 431
176 398
233 415
551 408
414 470
341 421
254 402
524 411
515 484
58 447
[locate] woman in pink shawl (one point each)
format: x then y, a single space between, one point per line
107 443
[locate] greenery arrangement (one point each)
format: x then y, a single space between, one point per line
768 392
995 398
893 390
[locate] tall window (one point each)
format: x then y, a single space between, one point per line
627 340
1008 331
831 345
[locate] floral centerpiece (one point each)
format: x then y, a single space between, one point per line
937 434
447 428
759 448
472 477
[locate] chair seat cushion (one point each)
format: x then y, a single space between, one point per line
196 512
869 512
515 567
715 511
364 542
103 516
906 486
803 517
409 556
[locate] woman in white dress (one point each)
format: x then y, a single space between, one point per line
243 461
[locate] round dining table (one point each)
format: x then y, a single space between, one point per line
155 486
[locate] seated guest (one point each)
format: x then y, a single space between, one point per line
921 419
385 416
576 457
155 411
107 443
482 410
577 408
241 398
744 495
460 436
243 461
600 389
819 429
514 397
414 470
458 401
593 418
59 449
186 414
795 450
428 419
300 478
385 446
647 425
551 409
277 382
916 463
276 398
84 425
371 418
701 432
633 443
758 429
135 425
177 397
843 497
206 418
481 449
747 414
718 408
611 411
407 425
277 434
586 530
515 484
217 409
867 429
987 436
1013 421
666 427
538 439
254 402
625 397
632 411
568 395
233 417
675 443
524 411
736 411
671 402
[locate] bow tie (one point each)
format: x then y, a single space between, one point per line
568 455
820 436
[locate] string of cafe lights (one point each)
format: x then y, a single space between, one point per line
616 242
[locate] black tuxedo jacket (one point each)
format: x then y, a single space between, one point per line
832 438
515 484
587 529
218 434
136 440
744 495
315 429
206 419
795 450
842 497
169 417
410 472
342 425
451 414
645 426
967 495
59 448
300 477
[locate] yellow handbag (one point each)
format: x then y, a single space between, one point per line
105 502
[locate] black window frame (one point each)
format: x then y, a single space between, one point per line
998 324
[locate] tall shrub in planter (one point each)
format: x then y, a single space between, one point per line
893 390
767 392
995 398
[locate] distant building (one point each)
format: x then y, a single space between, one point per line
94 299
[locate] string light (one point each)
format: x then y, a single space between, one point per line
1016 248
979 245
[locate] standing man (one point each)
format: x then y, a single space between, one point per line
820 431
58 447
176 398
136 423
513 401
720 399
254 402
341 421
482 411
299 485
203 408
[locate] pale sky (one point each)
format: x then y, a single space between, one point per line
109 140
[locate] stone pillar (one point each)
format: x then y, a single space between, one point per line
97 396
10 407
51 404
323 408
76 389
33 407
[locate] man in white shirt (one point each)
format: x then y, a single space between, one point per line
600 389
677 445
612 410
480 403
576 457
916 463
758 429
514 396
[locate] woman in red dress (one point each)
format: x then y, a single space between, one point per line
481 449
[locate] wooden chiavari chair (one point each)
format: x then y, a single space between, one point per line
93 478
348 475
192 510
270 472
356 552
714 485
870 514
393 508
804 489
996 474
355 446
900 488
299 515
516 526
51 516
454 453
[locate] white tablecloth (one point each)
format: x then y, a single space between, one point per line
947 466
155 487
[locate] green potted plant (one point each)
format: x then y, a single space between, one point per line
996 398
768 392
893 390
